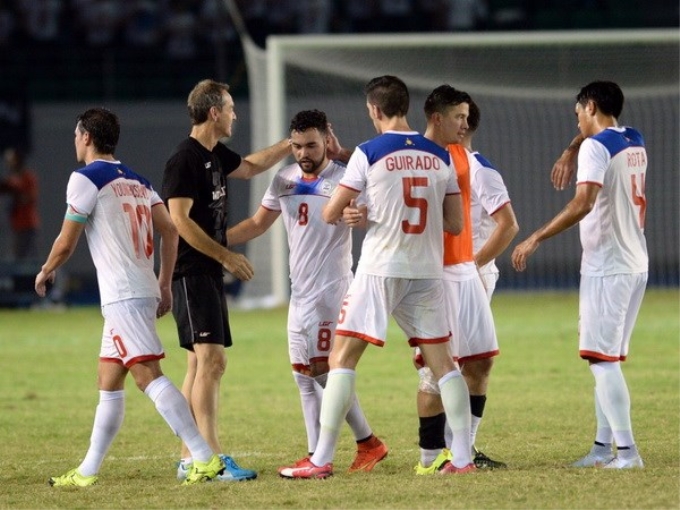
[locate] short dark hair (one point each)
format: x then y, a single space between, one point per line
205 95
607 95
444 97
103 126
309 119
388 93
474 117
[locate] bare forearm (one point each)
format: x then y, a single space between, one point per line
495 246
258 162
199 240
565 219
343 155
244 232
60 253
505 231
453 214
565 166
168 250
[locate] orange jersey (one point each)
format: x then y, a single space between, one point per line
458 249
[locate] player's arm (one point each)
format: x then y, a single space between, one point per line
259 161
453 214
163 224
573 212
236 263
62 249
565 166
505 231
332 211
252 227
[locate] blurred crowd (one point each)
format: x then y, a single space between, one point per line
176 25
181 27
59 49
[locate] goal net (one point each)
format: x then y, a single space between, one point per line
525 85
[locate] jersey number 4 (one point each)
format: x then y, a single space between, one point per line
639 198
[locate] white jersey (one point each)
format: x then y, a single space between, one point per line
119 230
405 178
489 194
320 254
612 234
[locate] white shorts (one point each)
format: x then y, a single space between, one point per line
130 332
416 305
470 319
489 280
608 309
312 322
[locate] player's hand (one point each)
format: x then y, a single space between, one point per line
563 169
165 304
42 280
238 265
333 149
481 277
522 252
351 214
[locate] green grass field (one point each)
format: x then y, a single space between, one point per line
539 418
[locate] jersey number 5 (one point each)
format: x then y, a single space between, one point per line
409 184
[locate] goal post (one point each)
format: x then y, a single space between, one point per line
525 84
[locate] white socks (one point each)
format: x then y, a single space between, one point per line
338 396
456 400
604 433
310 398
614 400
355 416
173 407
107 421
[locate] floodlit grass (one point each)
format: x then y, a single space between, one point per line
539 418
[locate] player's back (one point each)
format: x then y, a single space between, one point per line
119 228
612 234
407 179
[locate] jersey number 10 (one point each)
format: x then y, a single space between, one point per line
141 223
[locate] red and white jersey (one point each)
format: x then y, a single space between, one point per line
119 229
489 194
320 253
405 178
612 234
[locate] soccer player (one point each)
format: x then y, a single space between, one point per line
469 312
195 189
412 196
119 211
609 206
320 261
494 224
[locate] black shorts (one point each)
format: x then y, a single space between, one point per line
199 305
